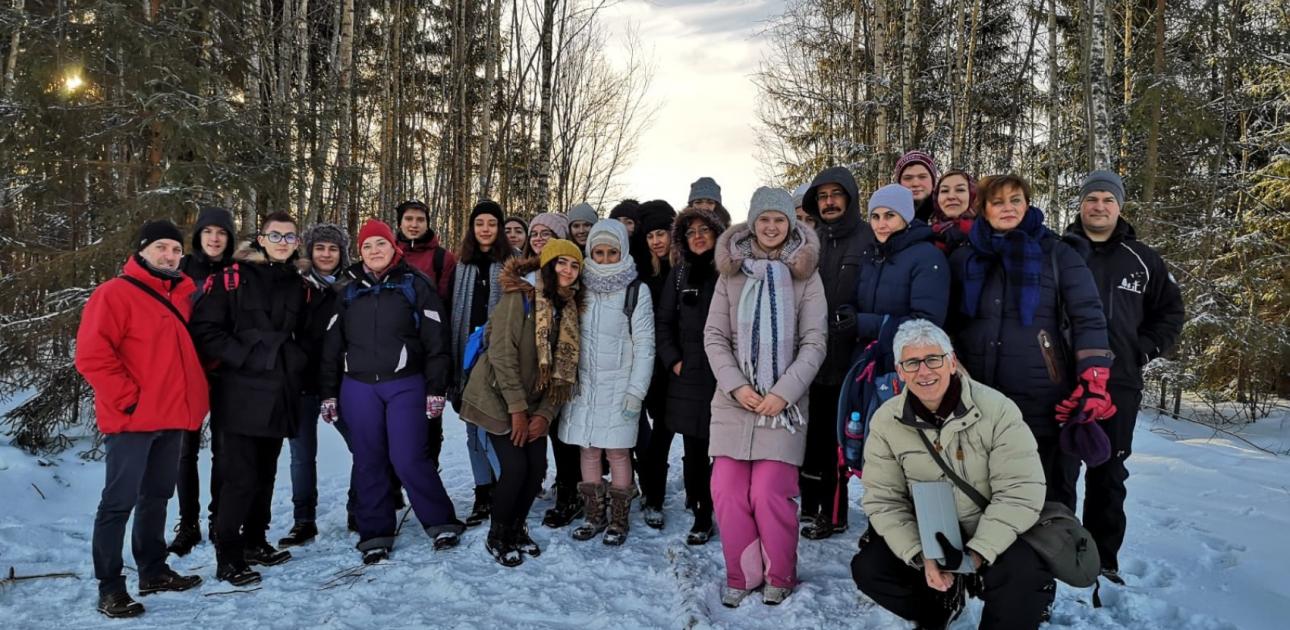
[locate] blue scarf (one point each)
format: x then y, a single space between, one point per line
1022 255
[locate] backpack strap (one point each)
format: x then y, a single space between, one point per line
156 296
437 266
410 294
966 487
629 301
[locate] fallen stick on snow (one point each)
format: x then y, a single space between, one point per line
14 578
236 590
42 494
1217 429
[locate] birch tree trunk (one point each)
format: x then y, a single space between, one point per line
882 140
543 167
907 74
11 61
1099 142
345 63
1053 91
1153 98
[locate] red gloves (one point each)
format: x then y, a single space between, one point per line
329 412
1090 401
434 406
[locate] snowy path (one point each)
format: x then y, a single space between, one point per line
1206 549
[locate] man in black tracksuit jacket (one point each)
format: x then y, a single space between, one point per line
845 241
1144 318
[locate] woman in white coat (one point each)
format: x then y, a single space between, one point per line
615 365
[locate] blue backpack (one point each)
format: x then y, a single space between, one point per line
863 392
353 291
477 343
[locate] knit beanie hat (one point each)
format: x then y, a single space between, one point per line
411 204
557 223
799 195
327 233
911 158
766 199
609 232
582 212
374 228
159 230
1087 441
487 206
655 215
1103 181
627 208
894 197
705 188
556 248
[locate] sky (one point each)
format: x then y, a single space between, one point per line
704 54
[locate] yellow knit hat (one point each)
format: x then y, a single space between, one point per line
558 247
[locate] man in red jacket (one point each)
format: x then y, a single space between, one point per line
420 245
134 349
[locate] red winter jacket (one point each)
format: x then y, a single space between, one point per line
135 353
420 255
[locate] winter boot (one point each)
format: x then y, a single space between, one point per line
187 536
1113 576
262 553
448 535
620 511
501 545
568 506
702 530
483 505
168 581
731 597
300 534
376 555
774 595
593 502
236 573
119 605
525 542
820 527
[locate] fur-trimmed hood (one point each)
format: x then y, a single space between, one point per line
516 274
801 252
250 253
680 244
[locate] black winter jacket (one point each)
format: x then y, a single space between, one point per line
378 335
844 246
1142 303
253 332
905 278
319 310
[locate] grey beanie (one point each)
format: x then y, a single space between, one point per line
1103 181
894 197
582 212
799 195
767 199
705 188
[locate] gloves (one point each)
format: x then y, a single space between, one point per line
329 411
1090 401
434 406
632 407
842 323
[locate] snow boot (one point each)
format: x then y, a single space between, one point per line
653 517
822 527
483 505
731 597
187 536
774 595
500 544
702 530
376 555
237 574
620 511
568 506
448 535
168 581
593 503
119 605
262 553
300 534
525 542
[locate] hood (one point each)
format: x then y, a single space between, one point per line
801 252
249 252
680 245
206 217
513 273
841 176
1123 231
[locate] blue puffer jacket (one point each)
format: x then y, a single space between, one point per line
905 278
1033 365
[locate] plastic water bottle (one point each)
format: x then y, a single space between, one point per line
854 433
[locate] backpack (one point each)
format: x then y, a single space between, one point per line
863 391
477 343
405 286
629 302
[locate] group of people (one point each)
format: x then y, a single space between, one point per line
1020 351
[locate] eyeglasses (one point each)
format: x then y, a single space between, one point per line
700 231
933 362
824 196
289 238
541 234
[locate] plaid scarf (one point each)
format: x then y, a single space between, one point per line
767 333
557 350
1022 255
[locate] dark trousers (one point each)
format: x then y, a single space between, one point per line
652 468
523 469
568 457
1057 470
387 428
1016 589
304 461
189 482
248 466
141 470
1104 486
821 491
698 475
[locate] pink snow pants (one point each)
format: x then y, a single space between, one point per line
757 517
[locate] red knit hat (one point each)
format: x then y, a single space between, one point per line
376 227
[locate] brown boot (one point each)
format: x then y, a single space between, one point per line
593 505
620 509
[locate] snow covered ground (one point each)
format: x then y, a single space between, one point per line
1207 548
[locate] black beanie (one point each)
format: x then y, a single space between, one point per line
628 208
411 204
655 215
488 206
154 231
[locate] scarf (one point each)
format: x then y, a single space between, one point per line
767 333
463 288
1022 255
609 278
172 275
557 350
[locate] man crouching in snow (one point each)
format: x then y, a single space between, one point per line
134 349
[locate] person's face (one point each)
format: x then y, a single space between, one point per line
918 180
805 219
279 240
163 254
1005 208
832 201
1099 212
629 224
771 229
538 236
700 237
708 205
214 241
566 270
414 223
377 253
578 230
659 241
515 235
885 222
927 383
326 257
485 227
953 196
605 254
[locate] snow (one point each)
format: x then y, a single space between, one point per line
1205 550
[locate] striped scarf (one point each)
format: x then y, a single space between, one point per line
767 333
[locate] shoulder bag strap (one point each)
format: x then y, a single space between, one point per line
156 296
967 488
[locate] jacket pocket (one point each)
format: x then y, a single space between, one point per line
1052 356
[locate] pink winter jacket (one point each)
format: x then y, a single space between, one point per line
733 431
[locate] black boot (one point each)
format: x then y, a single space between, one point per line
483 505
119 605
524 542
262 553
568 506
300 534
236 573
501 546
187 536
702 530
168 581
